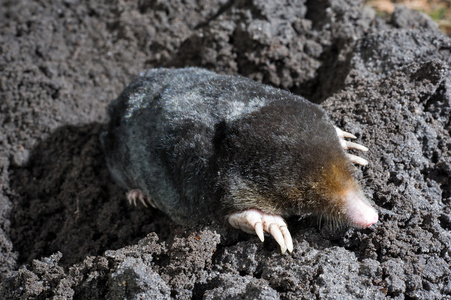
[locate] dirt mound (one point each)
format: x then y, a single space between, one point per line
68 232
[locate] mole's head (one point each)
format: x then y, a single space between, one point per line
288 157
332 192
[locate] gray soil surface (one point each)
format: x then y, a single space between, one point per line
67 231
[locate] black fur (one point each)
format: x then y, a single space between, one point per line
203 145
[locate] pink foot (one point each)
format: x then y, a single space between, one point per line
256 221
350 145
137 194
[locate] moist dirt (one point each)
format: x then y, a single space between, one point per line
67 231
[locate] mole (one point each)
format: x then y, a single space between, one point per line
204 147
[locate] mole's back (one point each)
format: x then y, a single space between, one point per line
162 131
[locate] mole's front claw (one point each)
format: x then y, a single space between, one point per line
258 222
357 159
350 145
137 194
343 134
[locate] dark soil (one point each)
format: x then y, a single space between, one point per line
67 230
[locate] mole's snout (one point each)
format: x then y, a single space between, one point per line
359 212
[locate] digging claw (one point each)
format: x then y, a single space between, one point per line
350 145
357 159
343 134
255 221
259 231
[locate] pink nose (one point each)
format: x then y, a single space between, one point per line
360 213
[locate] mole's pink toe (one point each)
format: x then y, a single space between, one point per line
256 221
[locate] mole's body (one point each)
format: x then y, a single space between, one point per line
201 146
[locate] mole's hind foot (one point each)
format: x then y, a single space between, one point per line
350 145
137 194
256 221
